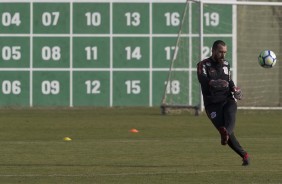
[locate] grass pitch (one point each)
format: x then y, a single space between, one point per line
167 150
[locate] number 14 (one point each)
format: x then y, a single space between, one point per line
133 53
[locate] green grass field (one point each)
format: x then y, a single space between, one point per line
167 150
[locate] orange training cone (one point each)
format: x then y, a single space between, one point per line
133 130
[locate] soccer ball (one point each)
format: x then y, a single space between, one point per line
267 59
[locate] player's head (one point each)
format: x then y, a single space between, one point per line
219 50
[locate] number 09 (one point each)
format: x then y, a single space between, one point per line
50 87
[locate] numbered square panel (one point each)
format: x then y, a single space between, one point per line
167 18
15 52
217 19
51 88
91 18
165 51
131 52
51 18
91 52
131 88
177 90
14 88
207 49
131 18
91 88
15 18
51 52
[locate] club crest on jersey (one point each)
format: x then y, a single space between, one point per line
213 115
212 72
225 70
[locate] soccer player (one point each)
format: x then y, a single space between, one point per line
220 94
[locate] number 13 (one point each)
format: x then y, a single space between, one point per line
132 19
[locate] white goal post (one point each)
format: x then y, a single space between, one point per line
253 26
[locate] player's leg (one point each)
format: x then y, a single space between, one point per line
230 110
216 115
235 145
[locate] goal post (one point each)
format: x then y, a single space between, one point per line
248 27
178 92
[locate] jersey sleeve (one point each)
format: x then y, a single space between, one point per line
202 76
231 82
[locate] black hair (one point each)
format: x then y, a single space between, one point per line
216 43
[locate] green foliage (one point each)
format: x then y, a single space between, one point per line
168 149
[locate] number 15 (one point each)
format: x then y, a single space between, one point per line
133 86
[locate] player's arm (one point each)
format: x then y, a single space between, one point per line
231 82
202 75
208 83
237 92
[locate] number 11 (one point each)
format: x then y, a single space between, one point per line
91 53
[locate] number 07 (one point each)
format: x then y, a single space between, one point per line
50 18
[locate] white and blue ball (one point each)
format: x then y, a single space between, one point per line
267 59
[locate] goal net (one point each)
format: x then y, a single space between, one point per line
182 89
248 27
259 28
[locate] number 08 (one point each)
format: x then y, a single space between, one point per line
49 53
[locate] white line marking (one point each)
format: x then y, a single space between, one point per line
128 174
